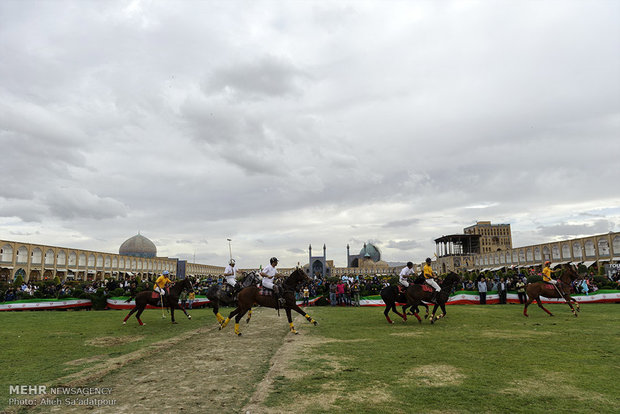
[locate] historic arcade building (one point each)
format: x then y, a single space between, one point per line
137 257
488 247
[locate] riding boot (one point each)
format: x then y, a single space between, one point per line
277 290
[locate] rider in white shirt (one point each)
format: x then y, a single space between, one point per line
407 271
269 274
230 274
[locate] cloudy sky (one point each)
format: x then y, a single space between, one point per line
280 124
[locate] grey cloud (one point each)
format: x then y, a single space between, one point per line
563 229
74 203
401 223
296 251
403 244
267 76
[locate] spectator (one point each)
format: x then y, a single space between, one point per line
501 290
482 290
340 292
355 291
306 296
521 291
332 294
183 298
191 296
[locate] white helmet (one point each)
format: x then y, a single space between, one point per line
232 262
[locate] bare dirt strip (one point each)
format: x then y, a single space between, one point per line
201 371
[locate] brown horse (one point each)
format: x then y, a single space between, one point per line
250 296
422 292
391 296
537 289
219 296
171 300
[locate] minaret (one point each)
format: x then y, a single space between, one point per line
324 252
348 260
310 258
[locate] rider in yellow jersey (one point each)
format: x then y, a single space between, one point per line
160 284
547 273
429 276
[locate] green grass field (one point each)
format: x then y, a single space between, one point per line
478 359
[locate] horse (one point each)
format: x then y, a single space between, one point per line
390 296
218 295
415 294
171 300
250 296
537 289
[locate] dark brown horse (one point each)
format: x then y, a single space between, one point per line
251 296
171 300
561 290
391 296
423 292
218 296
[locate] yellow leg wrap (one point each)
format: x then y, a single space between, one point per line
292 327
237 329
225 322
219 317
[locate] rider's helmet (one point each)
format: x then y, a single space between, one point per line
273 260
232 262
547 263
428 260
165 273
409 264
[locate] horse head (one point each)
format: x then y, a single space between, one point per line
451 279
568 274
186 283
297 277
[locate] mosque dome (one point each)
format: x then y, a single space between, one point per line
138 246
370 251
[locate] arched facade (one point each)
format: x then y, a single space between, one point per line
39 262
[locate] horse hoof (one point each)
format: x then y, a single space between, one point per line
239 334
124 323
175 323
315 323
189 316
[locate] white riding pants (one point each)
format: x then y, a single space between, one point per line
433 284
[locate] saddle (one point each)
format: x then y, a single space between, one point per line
155 295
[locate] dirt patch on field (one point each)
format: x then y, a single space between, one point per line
406 334
550 384
514 335
436 375
107 341
200 371
82 361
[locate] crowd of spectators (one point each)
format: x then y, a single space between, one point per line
343 291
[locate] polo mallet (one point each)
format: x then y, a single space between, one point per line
161 298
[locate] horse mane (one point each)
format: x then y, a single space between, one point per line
294 278
450 279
